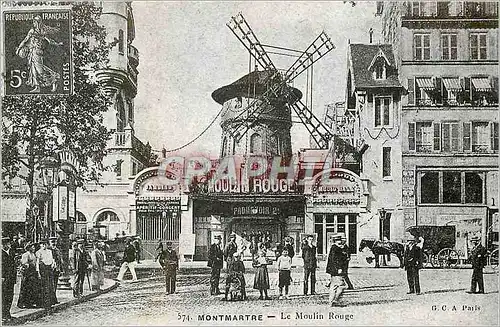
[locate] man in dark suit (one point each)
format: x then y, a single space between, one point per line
478 260
412 261
57 254
81 263
310 263
230 249
170 263
335 267
215 261
9 275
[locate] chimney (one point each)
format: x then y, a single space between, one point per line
371 35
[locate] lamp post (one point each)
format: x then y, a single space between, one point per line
60 175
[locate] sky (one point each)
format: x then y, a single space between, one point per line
187 52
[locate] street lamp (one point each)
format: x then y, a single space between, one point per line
60 176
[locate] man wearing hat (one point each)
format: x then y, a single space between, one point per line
335 267
310 263
57 254
215 261
129 256
170 263
478 260
413 262
81 265
45 265
230 249
9 275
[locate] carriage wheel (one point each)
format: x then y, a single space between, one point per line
448 258
426 262
433 260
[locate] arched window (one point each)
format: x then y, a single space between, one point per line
80 217
255 143
275 143
107 216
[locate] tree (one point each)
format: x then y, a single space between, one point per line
37 126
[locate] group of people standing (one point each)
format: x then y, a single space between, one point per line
40 266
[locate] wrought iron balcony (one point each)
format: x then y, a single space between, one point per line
133 55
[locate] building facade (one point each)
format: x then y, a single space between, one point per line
105 207
447 57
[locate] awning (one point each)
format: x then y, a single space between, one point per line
425 83
452 84
482 84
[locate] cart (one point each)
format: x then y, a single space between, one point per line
439 245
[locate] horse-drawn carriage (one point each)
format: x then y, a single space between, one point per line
439 245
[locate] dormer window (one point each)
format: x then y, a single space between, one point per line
379 72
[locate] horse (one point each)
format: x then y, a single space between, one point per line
383 248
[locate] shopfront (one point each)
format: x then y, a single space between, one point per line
271 217
335 202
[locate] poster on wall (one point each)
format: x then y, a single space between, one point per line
38 52
63 202
71 205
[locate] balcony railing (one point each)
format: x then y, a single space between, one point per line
133 55
451 9
126 140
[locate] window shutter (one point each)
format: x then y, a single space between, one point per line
437 136
454 137
411 136
378 104
418 137
446 137
466 136
411 91
494 84
494 136
439 90
468 89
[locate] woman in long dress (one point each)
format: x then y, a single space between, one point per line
32 48
97 273
29 295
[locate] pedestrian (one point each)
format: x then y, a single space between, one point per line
29 294
137 246
412 261
81 262
57 254
9 276
236 271
347 254
71 262
335 267
128 261
478 260
261 278
45 266
284 264
215 262
310 263
97 259
159 249
230 249
170 263
289 247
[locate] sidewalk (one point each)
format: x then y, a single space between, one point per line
65 298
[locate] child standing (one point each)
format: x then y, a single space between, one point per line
261 280
284 265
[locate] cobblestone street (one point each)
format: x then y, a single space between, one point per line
379 298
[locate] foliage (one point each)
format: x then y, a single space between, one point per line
37 126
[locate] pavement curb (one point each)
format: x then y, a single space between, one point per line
61 306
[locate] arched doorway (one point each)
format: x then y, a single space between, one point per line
108 219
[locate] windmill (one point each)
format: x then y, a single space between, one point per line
278 81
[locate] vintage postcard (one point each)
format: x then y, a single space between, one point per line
255 163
